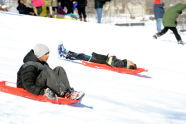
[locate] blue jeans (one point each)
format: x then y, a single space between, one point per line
79 56
99 14
159 24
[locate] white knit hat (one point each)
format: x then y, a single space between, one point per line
40 50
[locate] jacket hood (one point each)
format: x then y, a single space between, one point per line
30 56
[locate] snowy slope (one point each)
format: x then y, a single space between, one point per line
158 97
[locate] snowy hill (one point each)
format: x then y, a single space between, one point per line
157 97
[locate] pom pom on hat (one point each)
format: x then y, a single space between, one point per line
40 50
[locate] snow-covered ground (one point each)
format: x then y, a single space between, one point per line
154 97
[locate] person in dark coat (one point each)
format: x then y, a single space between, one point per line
169 21
82 9
38 78
23 9
99 6
96 58
158 13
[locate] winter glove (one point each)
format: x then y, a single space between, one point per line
180 12
50 94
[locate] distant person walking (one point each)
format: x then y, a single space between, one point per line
82 9
169 21
99 6
158 13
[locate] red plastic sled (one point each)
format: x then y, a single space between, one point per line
4 87
119 70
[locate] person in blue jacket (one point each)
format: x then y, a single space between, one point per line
99 6
170 21
158 13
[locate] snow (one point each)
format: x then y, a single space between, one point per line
153 97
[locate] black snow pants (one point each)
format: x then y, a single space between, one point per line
55 79
173 29
82 12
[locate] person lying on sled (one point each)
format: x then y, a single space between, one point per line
96 58
38 78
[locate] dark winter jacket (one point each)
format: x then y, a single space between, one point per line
158 10
82 3
170 16
100 3
119 63
28 73
23 9
102 59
